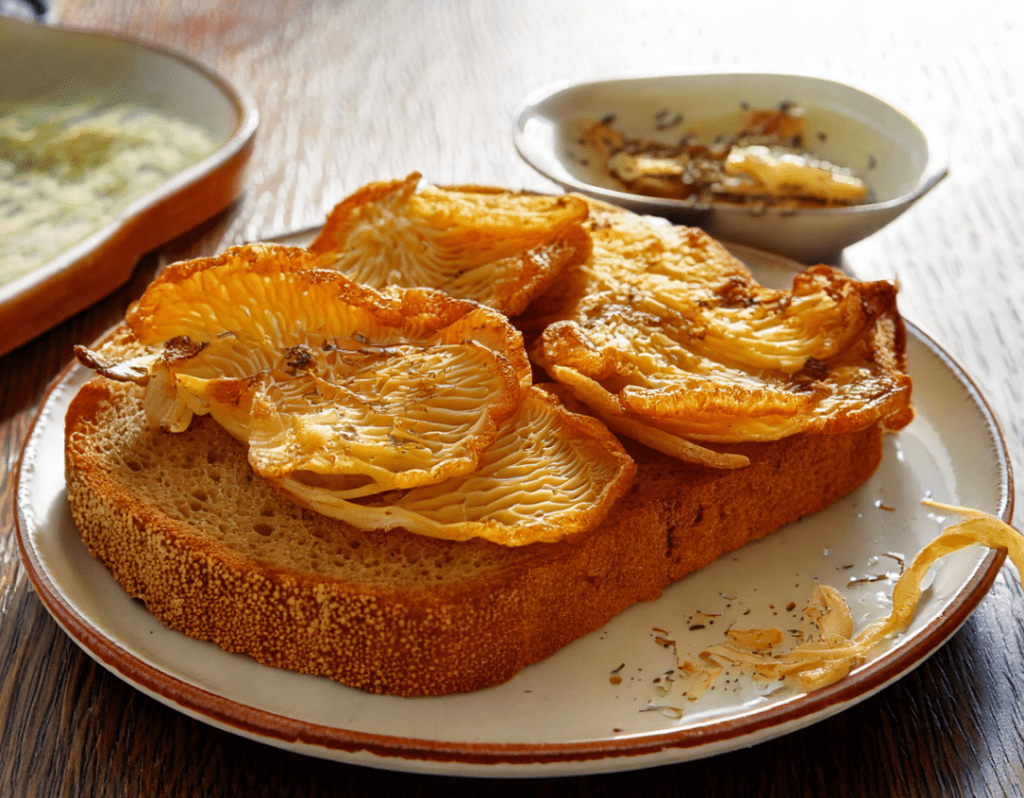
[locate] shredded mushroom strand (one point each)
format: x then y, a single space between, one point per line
835 651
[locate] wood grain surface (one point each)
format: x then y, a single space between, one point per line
356 90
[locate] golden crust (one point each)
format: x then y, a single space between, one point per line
400 613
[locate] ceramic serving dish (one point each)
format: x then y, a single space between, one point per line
898 159
567 715
77 65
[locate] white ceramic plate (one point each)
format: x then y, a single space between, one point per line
564 715
898 158
80 65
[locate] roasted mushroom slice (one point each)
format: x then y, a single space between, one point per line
669 337
550 474
320 375
499 248
366 420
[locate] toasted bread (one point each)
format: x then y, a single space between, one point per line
213 551
211 468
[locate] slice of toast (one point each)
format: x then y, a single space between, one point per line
184 525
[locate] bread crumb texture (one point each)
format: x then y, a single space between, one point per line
393 612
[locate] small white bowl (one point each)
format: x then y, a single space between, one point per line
843 125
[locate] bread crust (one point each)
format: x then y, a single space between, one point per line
394 612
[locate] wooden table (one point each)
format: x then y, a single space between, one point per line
355 91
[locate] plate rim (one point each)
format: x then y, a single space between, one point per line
524 759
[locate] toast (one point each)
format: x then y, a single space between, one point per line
395 612
259 406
